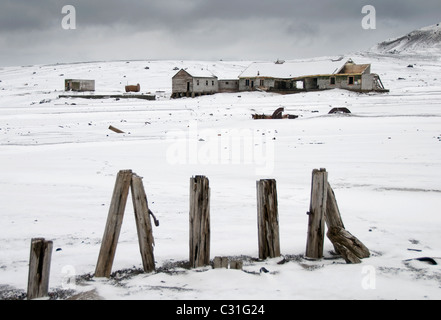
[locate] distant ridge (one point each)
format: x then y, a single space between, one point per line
424 40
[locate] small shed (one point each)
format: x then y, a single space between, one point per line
79 85
195 82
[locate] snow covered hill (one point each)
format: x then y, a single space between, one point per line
59 162
426 40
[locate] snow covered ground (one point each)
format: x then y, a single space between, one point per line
59 163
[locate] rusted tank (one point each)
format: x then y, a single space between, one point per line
132 88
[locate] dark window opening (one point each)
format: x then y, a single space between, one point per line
351 80
332 81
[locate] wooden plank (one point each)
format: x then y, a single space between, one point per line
267 219
143 223
316 221
39 268
113 224
199 222
114 129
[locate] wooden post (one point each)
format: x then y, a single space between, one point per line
316 223
39 268
113 225
351 249
220 262
236 264
267 219
333 217
143 224
199 222
345 244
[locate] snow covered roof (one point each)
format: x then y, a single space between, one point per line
289 70
200 72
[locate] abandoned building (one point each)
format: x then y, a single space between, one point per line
79 85
291 77
193 83
282 77
197 82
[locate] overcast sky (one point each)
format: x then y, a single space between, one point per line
31 31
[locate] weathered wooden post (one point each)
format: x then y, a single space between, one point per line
113 225
143 224
267 219
317 209
350 248
199 222
220 262
39 268
345 244
333 216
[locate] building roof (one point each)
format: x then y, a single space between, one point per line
199 72
296 69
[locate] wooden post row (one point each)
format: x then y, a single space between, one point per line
267 219
39 268
199 222
126 179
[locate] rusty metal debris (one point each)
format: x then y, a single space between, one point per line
278 114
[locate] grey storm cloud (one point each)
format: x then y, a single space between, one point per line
183 29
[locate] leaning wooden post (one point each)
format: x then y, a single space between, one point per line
39 268
113 225
143 224
333 216
199 222
317 209
267 219
350 248
345 244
